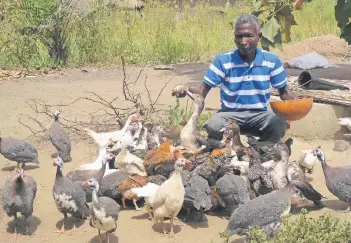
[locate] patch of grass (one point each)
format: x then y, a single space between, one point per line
325 228
315 19
103 34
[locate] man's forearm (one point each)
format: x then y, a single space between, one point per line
203 90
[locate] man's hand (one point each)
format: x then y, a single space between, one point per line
180 91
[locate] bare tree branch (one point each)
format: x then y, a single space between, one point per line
110 114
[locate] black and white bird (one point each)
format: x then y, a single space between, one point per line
18 150
60 139
69 196
104 211
18 194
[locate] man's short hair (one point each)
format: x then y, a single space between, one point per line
248 19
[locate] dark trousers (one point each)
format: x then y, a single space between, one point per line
264 124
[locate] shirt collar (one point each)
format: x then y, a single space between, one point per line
258 59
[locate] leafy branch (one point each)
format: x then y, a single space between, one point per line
276 19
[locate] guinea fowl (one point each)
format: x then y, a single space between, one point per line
109 185
263 147
233 190
338 179
190 138
18 150
18 194
297 178
197 198
69 197
60 139
104 212
264 211
83 175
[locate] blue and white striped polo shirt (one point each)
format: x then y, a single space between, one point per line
245 87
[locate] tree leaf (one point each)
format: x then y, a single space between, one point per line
346 33
270 29
257 5
286 20
343 12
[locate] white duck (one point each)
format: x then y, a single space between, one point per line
308 159
169 197
103 139
148 193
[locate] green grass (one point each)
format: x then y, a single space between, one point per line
102 37
316 18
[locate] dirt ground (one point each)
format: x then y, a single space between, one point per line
63 87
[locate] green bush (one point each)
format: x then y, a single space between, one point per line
324 229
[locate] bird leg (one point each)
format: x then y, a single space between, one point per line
123 202
149 211
163 226
14 234
63 226
74 229
108 237
99 236
171 234
135 204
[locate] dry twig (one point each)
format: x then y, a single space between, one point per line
107 117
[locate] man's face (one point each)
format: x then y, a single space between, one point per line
246 38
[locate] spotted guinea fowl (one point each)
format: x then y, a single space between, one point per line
69 197
337 179
264 211
263 147
197 198
60 139
104 212
18 150
109 185
297 178
18 194
233 190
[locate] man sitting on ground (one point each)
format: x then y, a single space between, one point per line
244 76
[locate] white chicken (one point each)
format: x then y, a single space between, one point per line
147 192
169 197
308 159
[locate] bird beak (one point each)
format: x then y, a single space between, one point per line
54 163
85 183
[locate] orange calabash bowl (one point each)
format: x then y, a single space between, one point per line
292 110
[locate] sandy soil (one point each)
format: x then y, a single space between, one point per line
133 226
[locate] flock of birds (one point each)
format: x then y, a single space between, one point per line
185 171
